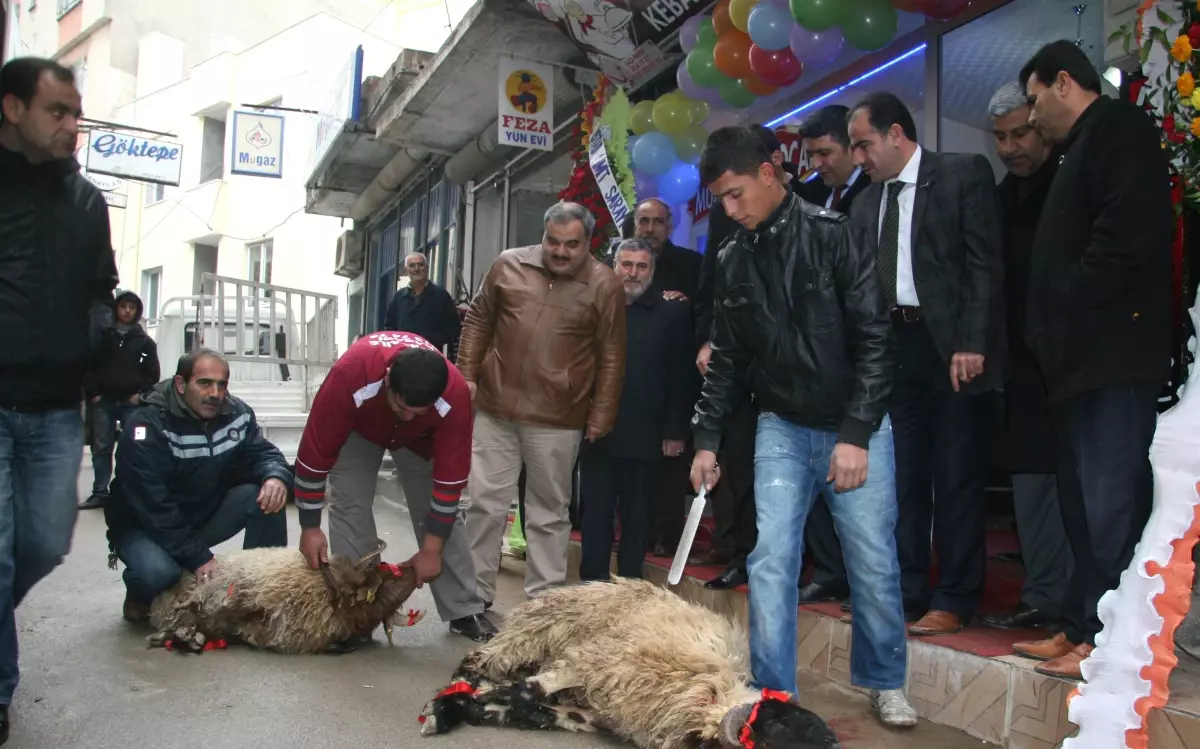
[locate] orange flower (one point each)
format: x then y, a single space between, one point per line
1186 84
1181 50
1196 127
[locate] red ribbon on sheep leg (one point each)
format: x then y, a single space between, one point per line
458 687
748 727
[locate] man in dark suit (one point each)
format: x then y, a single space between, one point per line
622 470
424 308
1029 447
733 498
827 143
933 220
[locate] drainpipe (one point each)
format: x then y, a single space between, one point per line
505 209
467 267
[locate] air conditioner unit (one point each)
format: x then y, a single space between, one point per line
350 254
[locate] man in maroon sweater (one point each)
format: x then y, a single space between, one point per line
394 391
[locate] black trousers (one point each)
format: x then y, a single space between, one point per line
1106 492
610 484
942 452
733 498
668 508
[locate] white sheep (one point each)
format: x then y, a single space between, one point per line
629 657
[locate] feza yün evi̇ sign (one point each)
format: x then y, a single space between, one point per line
526 104
134 157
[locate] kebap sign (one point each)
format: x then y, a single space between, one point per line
526 104
257 144
134 157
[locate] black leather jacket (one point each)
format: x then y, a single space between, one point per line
799 317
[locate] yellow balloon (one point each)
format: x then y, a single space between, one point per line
672 114
641 118
690 143
699 111
739 14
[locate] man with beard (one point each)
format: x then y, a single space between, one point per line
1029 440
622 469
1099 325
193 470
543 355
56 300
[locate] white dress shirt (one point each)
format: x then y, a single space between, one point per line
906 287
845 187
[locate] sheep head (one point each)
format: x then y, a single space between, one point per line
369 591
775 722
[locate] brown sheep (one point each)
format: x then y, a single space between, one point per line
272 599
629 657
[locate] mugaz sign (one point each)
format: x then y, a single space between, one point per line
134 157
257 144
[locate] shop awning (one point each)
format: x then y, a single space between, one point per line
443 109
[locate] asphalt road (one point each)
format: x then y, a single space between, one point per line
89 680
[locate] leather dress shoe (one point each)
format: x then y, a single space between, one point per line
135 612
476 627
1045 650
909 616
348 645
731 578
817 593
94 502
1069 666
937 623
1023 616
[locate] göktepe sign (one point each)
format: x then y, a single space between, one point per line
526 104
621 37
134 157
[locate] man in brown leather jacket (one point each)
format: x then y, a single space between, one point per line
543 353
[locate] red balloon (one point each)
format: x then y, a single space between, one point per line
777 67
942 10
732 54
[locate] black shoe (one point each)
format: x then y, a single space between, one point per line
731 578
817 593
1023 616
348 645
94 502
3 723
909 616
476 627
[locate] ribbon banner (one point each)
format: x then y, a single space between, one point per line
621 37
605 179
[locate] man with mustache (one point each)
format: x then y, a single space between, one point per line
543 354
192 471
621 470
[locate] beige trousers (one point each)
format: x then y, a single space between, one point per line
498 450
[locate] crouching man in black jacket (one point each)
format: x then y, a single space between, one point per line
192 471
126 368
799 317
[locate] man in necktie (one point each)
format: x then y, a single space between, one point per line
933 219
827 143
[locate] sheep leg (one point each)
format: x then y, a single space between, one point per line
505 655
557 677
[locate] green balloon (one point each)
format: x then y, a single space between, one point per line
734 93
690 143
703 70
706 36
868 25
818 15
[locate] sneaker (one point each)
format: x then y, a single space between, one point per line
477 627
893 708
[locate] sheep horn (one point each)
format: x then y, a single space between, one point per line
373 557
731 724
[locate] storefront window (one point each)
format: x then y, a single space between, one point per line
980 57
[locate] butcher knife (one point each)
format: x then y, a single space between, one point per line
688 537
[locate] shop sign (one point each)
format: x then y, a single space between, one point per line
605 179
257 144
526 104
621 37
103 182
701 205
343 103
134 157
115 199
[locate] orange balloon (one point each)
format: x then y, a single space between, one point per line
732 55
757 87
720 19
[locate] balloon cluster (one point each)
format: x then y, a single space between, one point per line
668 139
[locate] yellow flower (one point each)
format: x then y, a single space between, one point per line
1182 49
1196 127
1196 99
1186 84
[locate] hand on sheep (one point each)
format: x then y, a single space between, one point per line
205 571
314 546
427 564
273 496
847 467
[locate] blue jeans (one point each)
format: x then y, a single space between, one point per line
790 466
105 416
40 455
149 570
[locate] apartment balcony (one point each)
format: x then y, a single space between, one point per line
77 19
